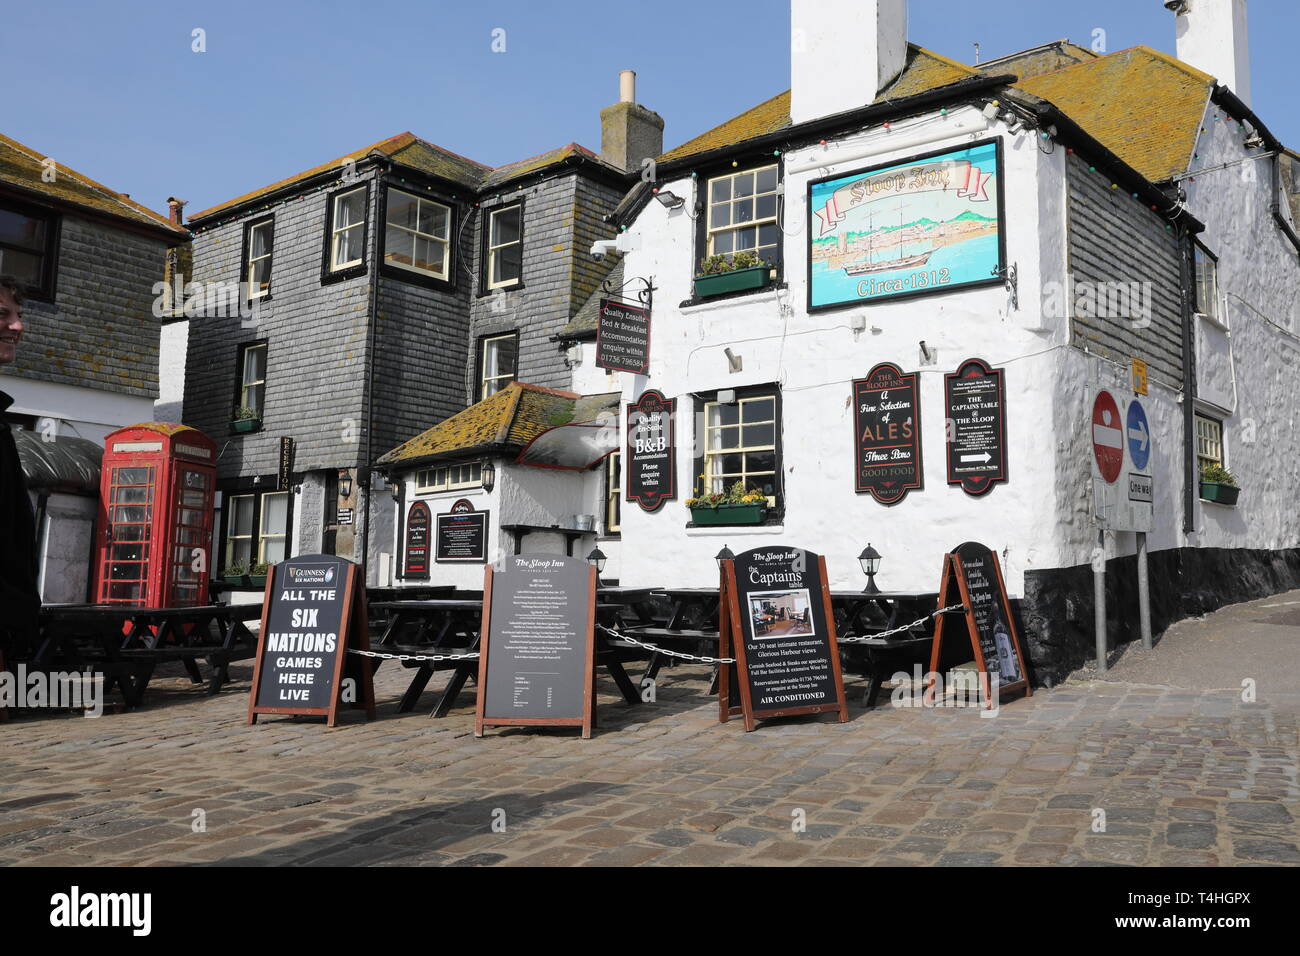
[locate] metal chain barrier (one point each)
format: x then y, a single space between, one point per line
414 657
683 655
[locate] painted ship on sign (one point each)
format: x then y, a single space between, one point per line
888 265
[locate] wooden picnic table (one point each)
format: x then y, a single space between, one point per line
127 643
861 614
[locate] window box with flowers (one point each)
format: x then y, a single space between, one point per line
237 574
735 506
246 420
739 273
1219 485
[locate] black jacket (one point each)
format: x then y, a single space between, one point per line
19 598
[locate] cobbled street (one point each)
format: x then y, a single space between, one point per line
1093 772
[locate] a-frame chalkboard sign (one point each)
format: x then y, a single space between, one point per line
537 653
775 618
314 612
972 577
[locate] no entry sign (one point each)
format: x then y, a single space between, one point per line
1107 437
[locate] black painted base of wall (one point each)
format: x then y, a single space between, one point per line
1056 615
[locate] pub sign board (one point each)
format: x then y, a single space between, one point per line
418 525
972 577
623 337
314 612
781 629
462 534
887 433
651 451
975 399
536 662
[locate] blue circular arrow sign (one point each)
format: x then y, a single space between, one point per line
1138 433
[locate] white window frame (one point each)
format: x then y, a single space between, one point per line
453 477
254 292
245 383
498 381
336 229
1209 442
262 535
231 526
493 249
726 480
415 234
712 232
1207 299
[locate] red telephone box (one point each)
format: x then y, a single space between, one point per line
154 537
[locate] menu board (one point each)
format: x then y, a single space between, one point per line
536 657
972 577
623 337
418 523
651 451
783 631
314 611
462 534
887 433
977 439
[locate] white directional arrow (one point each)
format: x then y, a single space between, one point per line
986 458
1140 435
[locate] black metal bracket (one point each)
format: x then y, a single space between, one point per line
644 295
1011 276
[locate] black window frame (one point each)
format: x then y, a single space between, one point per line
257 487
775 514
240 352
704 175
243 258
479 343
484 235
327 274
453 252
45 292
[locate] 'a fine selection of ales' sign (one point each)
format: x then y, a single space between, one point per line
887 433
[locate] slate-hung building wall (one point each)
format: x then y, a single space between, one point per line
1089 145
350 359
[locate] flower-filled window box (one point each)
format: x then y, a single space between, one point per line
237 574
246 420
722 274
736 506
1219 485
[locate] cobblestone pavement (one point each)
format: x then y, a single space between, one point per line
1183 777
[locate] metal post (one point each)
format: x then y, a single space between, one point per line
1099 600
1144 590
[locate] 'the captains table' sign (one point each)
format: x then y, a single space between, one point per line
315 611
536 663
775 616
972 577
976 409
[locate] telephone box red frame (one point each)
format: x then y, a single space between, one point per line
157 486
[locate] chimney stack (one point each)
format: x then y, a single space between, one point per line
174 209
1212 38
843 53
629 133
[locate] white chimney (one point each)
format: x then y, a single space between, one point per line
843 53
1212 38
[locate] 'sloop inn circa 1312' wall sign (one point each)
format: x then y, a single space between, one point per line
976 405
418 525
623 337
887 445
651 451
462 534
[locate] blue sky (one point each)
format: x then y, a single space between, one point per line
114 90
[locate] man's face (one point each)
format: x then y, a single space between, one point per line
11 327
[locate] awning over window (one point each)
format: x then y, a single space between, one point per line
67 464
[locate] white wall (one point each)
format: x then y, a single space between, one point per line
83 412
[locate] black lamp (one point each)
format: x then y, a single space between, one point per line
345 484
488 475
870 561
668 198
597 558
724 555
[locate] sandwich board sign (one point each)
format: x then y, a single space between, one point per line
972 577
536 663
314 613
775 617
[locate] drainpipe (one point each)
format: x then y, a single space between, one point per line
1186 271
365 476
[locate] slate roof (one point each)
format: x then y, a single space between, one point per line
409 150
583 323
21 167
504 422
